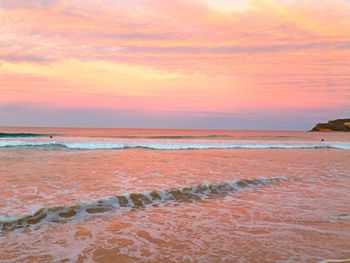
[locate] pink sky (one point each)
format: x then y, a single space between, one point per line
184 63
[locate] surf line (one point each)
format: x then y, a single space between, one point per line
59 214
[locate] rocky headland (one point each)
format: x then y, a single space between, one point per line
342 125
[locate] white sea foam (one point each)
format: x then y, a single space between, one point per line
132 200
174 145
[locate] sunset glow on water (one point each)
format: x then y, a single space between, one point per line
174 131
171 203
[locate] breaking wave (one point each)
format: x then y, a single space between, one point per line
59 214
177 137
21 135
176 145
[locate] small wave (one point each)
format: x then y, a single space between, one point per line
174 145
190 137
347 260
23 144
21 135
161 137
59 214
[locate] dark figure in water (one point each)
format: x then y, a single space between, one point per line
322 140
51 137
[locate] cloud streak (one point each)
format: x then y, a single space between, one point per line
28 4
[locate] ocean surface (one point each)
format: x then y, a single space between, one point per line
137 195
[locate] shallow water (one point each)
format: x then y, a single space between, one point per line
223 204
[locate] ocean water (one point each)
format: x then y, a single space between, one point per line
137 195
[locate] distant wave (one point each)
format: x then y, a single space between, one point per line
133 200
190 137
19 135
176 137
212 136
174 145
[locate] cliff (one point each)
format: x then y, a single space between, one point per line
334 125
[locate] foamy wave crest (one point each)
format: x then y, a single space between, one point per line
69 145
58 214
15 135
174 145
162 137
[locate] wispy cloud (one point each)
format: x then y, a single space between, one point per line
25 58
19 4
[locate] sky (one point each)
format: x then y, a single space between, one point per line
205 64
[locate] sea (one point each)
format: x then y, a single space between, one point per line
157 195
